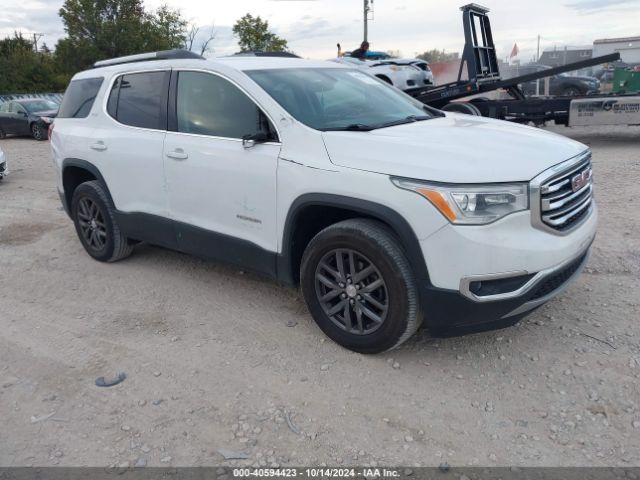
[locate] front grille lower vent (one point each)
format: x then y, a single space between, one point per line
557 280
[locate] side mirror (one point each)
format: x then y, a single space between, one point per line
249 141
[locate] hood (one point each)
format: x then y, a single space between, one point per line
457 149
46 113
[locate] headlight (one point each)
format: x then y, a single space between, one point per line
471 204
46 120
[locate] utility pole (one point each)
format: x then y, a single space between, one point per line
368 8
538 55
36 37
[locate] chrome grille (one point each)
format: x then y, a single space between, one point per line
565 198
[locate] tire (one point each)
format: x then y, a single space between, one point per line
394 303
462 107
104 242
572 92
2 134
38 132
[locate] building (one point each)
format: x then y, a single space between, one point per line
559 57
628 47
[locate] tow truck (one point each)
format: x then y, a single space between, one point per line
483 76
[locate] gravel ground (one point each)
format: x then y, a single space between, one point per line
222 360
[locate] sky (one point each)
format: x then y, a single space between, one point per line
313 27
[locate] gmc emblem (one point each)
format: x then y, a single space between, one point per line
580 180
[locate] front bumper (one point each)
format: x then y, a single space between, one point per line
490 276
450 313
509 246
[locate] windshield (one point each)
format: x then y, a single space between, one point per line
339 99
39 105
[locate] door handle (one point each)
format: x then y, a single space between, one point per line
178 154
98 146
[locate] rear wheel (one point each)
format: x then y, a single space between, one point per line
96 225
359 286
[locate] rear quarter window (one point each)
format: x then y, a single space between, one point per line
140 99
79 98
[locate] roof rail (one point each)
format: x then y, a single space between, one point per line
143 57
259 53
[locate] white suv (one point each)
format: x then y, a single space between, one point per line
385 211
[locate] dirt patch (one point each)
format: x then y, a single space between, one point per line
23 233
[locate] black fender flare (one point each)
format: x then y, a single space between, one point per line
89 167
407 237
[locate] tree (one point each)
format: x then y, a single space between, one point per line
205 46
99 29
191 36
24 70
166 29
435 55
254 35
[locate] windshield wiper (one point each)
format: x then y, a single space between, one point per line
354 127
360 127
432 111
409 119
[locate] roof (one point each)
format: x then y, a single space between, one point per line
616 40
239 63
259 63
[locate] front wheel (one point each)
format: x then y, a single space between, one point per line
38 132
359 286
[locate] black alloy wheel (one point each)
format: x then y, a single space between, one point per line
352 291
92 224
37 132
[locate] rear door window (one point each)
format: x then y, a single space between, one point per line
79 98
140 100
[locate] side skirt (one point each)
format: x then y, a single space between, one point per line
197 241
